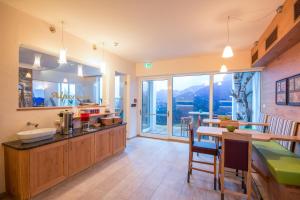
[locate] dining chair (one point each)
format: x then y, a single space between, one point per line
236 154
202 147
273 123
184 125
225 123
263 118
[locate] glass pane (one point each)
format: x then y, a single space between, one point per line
246 96
44 83
222 98
237 96
119 94
154 106
190 102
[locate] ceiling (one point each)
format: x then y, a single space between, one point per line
149 30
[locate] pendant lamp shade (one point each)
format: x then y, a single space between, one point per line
63 50
227 52
62 56
223 69
79 71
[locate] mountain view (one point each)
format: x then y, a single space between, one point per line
195 98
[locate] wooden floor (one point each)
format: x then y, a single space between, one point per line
148 169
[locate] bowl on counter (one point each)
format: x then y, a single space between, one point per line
36 135
107 121
117 120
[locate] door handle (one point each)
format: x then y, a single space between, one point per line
168 113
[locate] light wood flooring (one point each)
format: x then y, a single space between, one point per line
147 169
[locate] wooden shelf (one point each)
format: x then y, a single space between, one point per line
58 107
282 33
97 115
286 42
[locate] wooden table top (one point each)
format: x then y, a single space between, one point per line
241 123
259 136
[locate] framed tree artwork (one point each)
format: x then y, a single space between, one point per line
281 92
294 90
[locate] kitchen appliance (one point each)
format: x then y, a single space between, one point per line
66 121
85 120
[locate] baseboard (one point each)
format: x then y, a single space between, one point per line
164 139
132 137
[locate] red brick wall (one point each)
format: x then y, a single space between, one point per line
286 65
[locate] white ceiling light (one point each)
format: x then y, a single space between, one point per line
223 69
79 71
63 50
37 61
65 80
102 67
227 52
28 75
62 56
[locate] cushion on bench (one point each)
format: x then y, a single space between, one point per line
283 164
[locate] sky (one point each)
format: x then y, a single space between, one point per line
184 82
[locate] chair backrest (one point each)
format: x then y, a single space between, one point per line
225 123
236 151
280 126
272 120
263 118
191 134
288 128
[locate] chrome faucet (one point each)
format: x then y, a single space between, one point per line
32 124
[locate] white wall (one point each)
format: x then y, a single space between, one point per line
205 63
19 28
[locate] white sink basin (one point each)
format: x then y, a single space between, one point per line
36 134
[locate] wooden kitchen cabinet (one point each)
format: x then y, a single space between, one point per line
103 145
81 153
48 166
29 171
118 139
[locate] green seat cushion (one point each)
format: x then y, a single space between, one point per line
283 164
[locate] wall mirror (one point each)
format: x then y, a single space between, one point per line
43 82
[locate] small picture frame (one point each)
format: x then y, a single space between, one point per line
281 92
293 93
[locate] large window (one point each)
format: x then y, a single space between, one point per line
119 94
237 96
155 106
195 98
190 102
222 98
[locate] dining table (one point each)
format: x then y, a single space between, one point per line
217 132
241 123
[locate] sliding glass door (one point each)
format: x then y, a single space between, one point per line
190 102
169 104
154 110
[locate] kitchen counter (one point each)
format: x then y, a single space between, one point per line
17 144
